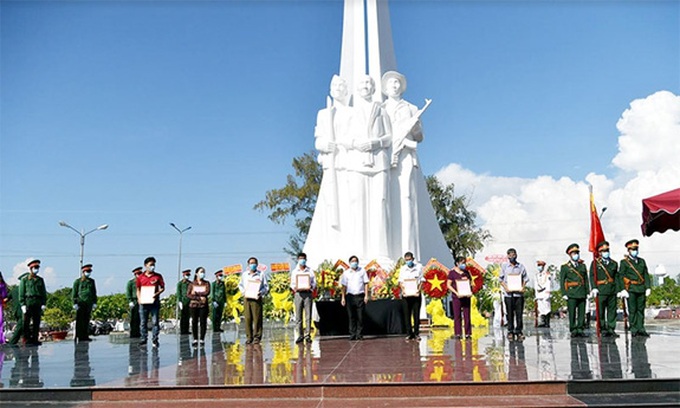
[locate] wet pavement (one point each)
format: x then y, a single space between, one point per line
546 354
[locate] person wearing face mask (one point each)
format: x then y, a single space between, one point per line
460 303
131 295
198 292
18 332
574 286
411 270
218 298
514 297
542 292
354 291
302 283
252 308
605 285
636 286
183 302
154 281
32 298
84 295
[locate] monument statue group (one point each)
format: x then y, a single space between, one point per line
373 201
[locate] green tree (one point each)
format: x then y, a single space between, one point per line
111 307
667 294
455 219
295 200
61 299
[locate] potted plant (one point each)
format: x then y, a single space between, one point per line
58 323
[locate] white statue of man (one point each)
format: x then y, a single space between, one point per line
368 164
407 132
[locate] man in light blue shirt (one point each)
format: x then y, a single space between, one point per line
354 283
514 297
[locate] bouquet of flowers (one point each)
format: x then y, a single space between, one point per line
328 279
234 306
377 281
393 287
282 297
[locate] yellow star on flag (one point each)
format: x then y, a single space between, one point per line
436 282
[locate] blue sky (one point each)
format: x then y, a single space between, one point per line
137 113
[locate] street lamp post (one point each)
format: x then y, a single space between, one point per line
82 239
179 264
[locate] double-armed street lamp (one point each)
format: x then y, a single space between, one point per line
179 262
82 239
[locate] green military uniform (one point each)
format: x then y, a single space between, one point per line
32 295
634 279
131 295
183 300
574 285
84 298
604 278
218 297
18 315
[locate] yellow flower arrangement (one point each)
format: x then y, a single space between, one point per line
282 297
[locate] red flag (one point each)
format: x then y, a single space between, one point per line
596 233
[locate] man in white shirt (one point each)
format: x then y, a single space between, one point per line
514 297
302 283
411 271
543 288
354 283
252 305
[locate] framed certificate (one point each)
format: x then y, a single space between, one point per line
146 295
463 288
410 287
514 283
199 290
253 289
303 282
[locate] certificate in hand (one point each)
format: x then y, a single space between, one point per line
303 282
253 289
463 288
514 283
146 295
199 290
410 287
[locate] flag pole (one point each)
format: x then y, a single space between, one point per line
593 248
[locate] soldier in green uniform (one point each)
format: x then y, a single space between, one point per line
574 286
84 302
32 298
634 279
183 302
18 315
605 283
218 297
131 295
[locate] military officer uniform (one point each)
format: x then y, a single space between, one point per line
32 298
183 302
18 315
218 297
634 278
574 285
605 285
131 295
84 302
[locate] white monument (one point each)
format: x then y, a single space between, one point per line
373 201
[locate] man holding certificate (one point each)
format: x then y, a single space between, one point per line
513 280
253 286
410 278
459 283
150 285
302 283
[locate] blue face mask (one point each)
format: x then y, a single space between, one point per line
540 268
633 253
87 274
201 275
575 257
605 255
462 267
410 263
253 267
302 262
35 270
354 265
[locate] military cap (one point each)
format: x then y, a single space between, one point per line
219 272
394 74
573 248
86 267
632 244
603 246
186 272
540 263
137 269
33 262
511 250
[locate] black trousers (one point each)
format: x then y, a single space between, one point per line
515 308
134 322
199 316
184 316
83 321
355 311
412 312
32 323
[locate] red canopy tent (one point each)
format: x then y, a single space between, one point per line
661 212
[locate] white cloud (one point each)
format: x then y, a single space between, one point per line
541 216
46 272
